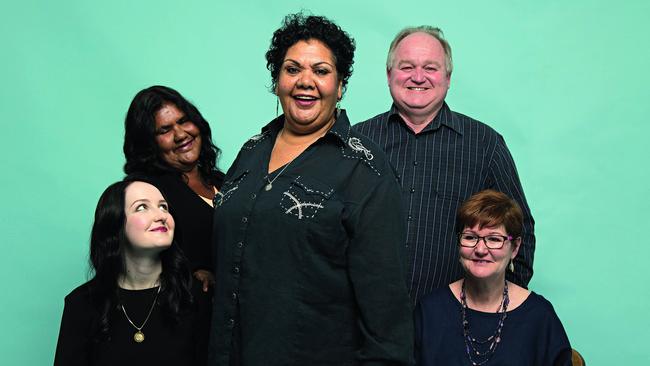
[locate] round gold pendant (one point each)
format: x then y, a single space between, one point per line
138 337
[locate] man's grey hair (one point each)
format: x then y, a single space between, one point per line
432 31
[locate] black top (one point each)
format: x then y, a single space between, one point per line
163 344
532 334
311 272
439 168
193 217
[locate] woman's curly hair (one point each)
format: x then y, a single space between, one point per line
299 27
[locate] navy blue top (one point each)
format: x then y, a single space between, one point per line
454 157
532 333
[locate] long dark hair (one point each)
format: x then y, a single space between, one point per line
140 148
107 243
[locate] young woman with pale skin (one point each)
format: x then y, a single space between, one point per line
140 307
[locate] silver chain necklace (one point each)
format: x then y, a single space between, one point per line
269 185
138 337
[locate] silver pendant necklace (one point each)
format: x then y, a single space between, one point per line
138 337
269 184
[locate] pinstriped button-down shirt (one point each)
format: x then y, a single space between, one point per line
452 158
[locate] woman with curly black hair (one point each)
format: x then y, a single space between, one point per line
167 138
309 263
140 307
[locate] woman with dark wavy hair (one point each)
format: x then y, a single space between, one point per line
167 138
309 263
140 307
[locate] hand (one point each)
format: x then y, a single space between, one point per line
206 277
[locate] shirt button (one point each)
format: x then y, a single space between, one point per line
236 269
231 323
234 296
244 219
412 190
409 217
253 196
240 244
415 163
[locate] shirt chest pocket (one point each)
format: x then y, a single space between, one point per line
305 199
230 186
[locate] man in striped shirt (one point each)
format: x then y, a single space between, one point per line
441 158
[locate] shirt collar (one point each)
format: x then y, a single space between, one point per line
444 117
340 130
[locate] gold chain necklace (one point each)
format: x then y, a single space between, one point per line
138 337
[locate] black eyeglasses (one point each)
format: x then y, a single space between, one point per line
493 241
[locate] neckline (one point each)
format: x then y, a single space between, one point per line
155 288
523 305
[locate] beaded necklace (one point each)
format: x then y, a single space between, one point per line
480 351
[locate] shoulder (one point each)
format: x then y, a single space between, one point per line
372 123
537 309
362 148
540 303
254 140
80 297
472 128
436 299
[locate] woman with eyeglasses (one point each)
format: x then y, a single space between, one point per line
483 319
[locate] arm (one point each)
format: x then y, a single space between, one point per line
376 269
417 317
73 346
503 177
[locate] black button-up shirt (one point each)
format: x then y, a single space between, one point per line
311 272
453 157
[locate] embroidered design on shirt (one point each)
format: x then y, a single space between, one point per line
356 145
301 201
254 140
229 187
300 205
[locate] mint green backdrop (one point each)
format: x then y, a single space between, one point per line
565 82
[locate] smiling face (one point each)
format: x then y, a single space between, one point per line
418 79
481 262
178 139
149 225
308 87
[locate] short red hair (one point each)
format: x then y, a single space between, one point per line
490 208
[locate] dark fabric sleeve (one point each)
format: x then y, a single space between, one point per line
559 349
376 269
417 324
201 326
503 177
73 346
